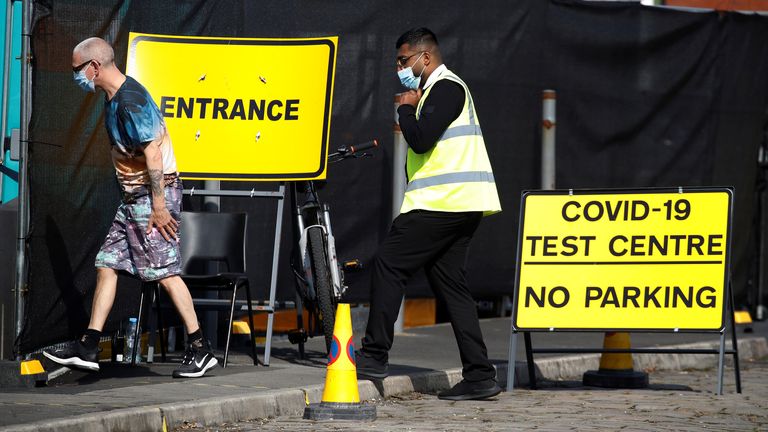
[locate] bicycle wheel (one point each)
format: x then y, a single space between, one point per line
326 302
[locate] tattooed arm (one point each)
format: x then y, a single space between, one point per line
160 216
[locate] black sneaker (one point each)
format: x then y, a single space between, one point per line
369 367
468 390
196 362
75 355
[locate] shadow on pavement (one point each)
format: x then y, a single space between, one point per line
550 385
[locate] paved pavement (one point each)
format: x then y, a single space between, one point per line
676 401
423 360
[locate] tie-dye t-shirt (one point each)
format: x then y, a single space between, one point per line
133 121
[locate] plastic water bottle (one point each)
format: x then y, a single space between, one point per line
130 349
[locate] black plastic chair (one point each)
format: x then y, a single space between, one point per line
213 238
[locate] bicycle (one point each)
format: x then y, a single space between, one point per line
320 277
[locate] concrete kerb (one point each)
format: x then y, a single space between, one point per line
127 419
236 408
292 401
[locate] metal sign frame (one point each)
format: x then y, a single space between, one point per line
279 195
728 307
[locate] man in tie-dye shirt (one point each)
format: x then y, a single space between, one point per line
144 236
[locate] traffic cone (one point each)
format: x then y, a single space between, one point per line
341 399
616 369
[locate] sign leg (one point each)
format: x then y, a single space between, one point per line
511 360
735 342
529 360
721 358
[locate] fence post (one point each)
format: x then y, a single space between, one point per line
548 140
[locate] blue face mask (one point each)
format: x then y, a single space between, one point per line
408 79
84 82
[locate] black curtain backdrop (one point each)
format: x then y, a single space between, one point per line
645 97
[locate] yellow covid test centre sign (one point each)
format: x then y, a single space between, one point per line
623 260
241 109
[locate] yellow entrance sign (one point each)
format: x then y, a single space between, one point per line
241 109
623 260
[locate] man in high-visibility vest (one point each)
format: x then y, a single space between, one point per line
450 188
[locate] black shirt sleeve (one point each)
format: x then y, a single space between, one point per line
442 106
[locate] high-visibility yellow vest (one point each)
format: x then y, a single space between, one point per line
455 175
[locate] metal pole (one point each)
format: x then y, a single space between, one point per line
400 151
762 210
548 140
548 121
761 311
210 321
20 284
273 278
6 75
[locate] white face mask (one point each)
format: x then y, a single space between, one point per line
408 79
83 81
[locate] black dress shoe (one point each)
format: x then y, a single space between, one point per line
471 390
369 367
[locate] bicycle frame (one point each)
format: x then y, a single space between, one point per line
317 253
319 216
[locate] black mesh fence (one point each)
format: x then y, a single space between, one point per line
646 97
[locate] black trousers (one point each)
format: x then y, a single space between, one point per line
438 242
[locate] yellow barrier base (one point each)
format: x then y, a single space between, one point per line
742 317
31 367
15 374
241 327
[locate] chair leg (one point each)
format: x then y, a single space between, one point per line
268 343
152 330
155 325
163 340
231 318
136 340
300 323
250 322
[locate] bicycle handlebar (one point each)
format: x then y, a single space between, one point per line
364 146
351 151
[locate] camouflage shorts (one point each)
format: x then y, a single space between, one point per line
128 247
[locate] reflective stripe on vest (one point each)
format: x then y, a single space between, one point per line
461 131
459 177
